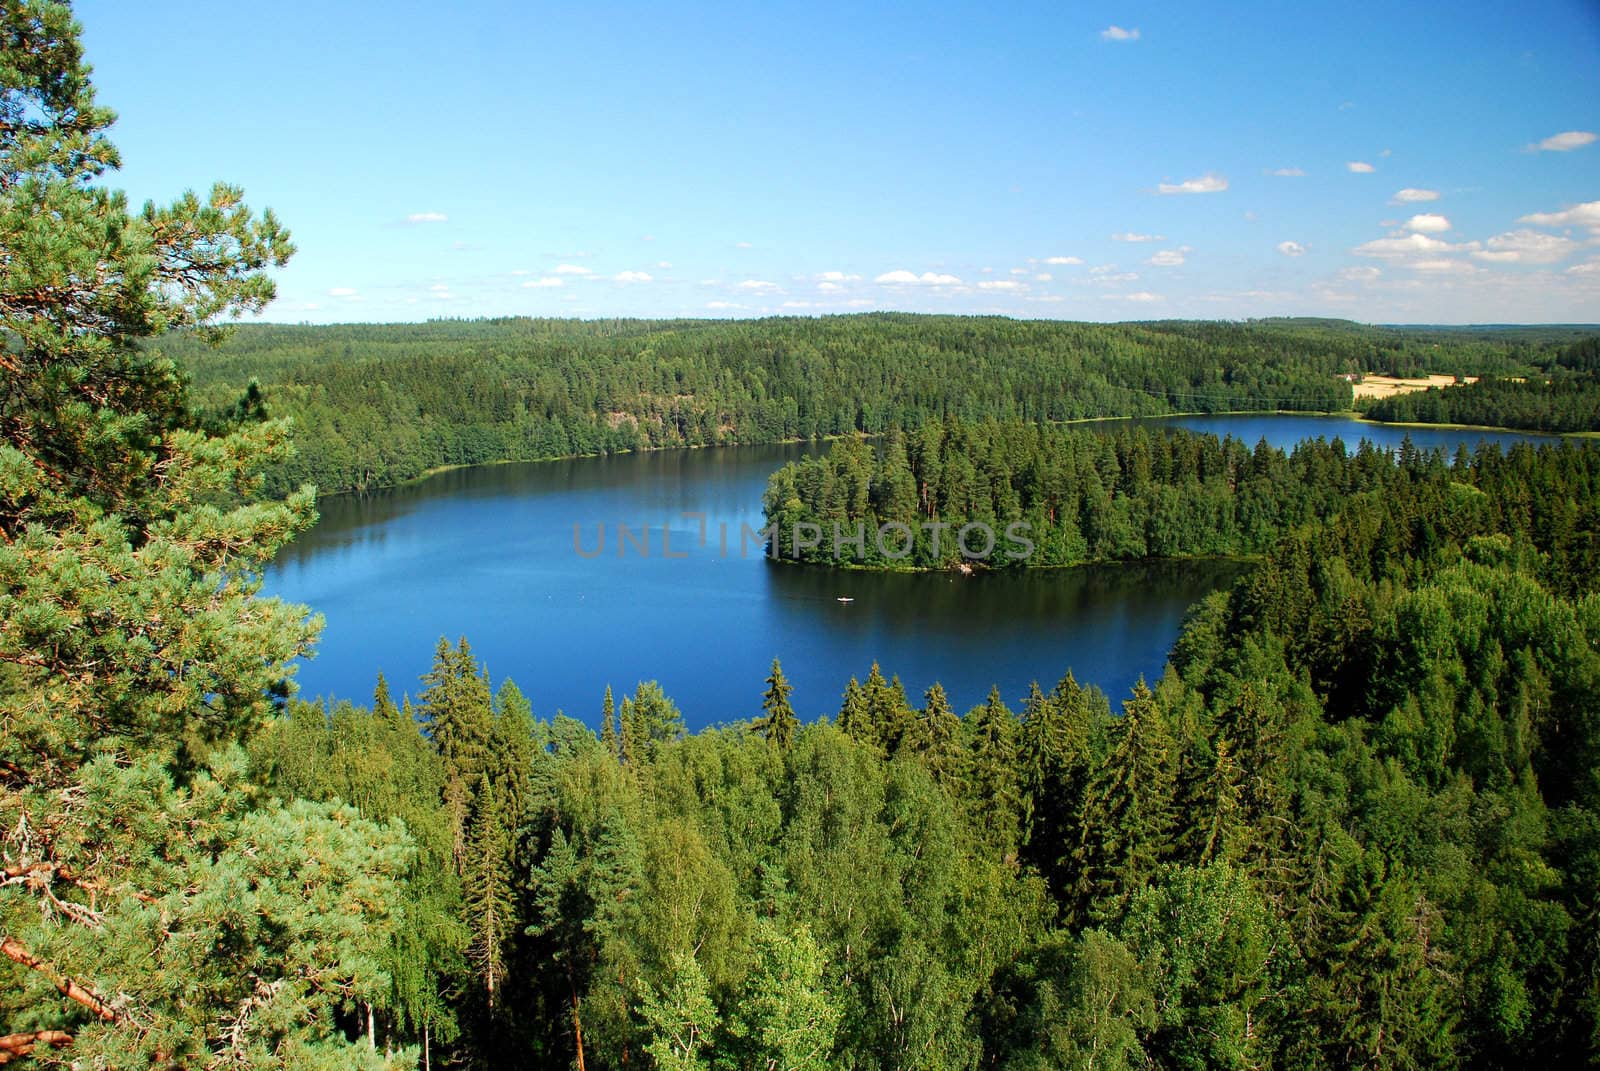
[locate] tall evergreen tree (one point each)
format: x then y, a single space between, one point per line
934 736
993 787
608 723
778 721
1127 816
489 902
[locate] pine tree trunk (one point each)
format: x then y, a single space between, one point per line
372 1030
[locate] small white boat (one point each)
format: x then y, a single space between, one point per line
845 598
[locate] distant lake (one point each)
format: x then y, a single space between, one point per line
488 553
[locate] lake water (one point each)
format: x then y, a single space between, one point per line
490 554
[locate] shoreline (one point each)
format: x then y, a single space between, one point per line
1354 415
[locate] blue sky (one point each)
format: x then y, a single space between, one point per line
1385 162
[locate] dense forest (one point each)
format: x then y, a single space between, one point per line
1355 824
1079 496
378 404
1563 403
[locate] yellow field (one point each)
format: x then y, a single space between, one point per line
1389 386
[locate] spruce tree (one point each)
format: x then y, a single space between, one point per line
934 736
854 717
608 724
778 721
993 786
1126 828
489 901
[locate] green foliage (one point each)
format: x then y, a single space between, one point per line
1561 402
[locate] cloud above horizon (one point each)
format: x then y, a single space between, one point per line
1117 33
1412 195
1428 223
1526 247
1564 142
901 277
1210 182
1586 214
427 217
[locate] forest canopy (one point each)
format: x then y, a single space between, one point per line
1356 823
378 404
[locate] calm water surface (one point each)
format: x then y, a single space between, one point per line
489 554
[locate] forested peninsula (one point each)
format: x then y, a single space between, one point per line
1014 495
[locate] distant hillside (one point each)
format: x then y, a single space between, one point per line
378 404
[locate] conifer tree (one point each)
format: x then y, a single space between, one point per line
608 724
489 901
778 721
1127 817
150 913
854 717
993 784
934 736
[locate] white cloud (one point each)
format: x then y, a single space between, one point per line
543 284
1291 249
1526 247
1043 277
1428 223
1591 267
902 277
1411 245
1167 258
836 277
1143 295
440 288
741 245
343 292
1001 284
1130 236
1360 167
1443 266
1287 172
521 271
1018 271
1207 183
1564 142
427 217
829 287
723 305
755 284
1411 195
797 304
1117 33
633 277
1364 274
572 269
1580 215
1063 260
664 265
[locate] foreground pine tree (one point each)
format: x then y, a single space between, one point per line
153 909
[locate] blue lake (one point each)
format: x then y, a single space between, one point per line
490 554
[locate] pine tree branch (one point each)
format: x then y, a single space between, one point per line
13 950
17 1046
